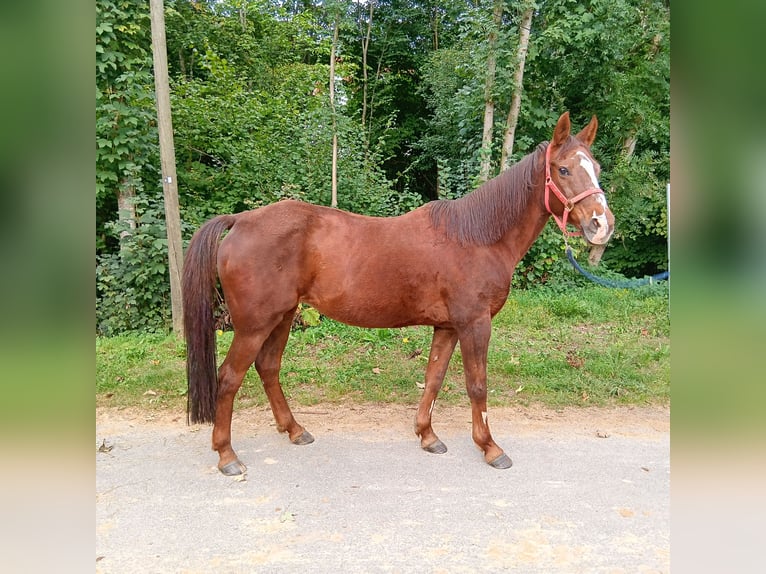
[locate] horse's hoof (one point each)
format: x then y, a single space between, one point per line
502 461
304 438
436 447
233 468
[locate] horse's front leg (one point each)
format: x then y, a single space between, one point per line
442 347
474 345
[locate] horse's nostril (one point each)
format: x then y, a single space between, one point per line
595 222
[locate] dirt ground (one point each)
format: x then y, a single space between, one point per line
352 417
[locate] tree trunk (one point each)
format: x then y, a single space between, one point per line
334 198
489 88
168 162
126 207
365 48
518 83
434 20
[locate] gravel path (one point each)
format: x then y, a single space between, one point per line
589 492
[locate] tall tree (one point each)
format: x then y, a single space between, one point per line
489 89
333 51
525 27
365 51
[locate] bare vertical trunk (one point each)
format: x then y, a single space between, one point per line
489 88
243 18
434 21
168 162
126 207
365 49
518 84
334 198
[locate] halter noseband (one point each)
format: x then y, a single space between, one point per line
568 203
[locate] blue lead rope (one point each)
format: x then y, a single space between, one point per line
627 284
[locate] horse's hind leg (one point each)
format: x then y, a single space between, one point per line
244 348
442 347
268 364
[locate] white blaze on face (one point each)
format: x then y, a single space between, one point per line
603 224
587 165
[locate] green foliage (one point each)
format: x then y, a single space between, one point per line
125 135
543 260
583 345
639 245
132 285
253 122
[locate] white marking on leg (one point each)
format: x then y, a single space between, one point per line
484 417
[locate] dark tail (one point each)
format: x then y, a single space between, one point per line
199 282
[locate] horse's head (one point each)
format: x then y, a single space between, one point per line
572 192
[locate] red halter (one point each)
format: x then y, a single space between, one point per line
568 204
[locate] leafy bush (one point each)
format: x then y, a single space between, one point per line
544 259
132 284
639 246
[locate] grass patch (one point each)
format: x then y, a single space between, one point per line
588 346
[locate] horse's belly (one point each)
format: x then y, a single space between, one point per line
381 309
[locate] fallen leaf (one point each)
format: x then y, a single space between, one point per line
420 385
150 393
602 434
574 360
105 447
415 353
376 370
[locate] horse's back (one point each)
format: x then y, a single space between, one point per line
357 269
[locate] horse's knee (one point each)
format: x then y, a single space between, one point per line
477 391
267 369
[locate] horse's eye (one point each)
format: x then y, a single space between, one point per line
563 171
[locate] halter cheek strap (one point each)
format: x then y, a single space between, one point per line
568 203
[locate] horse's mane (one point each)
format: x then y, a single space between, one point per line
483 216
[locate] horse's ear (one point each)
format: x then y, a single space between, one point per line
561 132
588 133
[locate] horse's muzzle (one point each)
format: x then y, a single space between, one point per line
599 228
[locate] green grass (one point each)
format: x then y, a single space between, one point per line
585 346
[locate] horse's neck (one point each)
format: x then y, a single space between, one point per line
519 238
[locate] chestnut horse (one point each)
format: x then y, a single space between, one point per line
447 264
